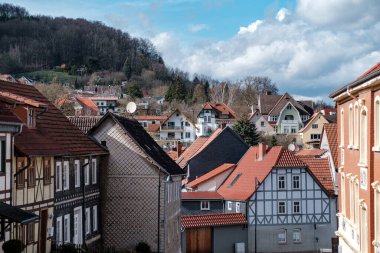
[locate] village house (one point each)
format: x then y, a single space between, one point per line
207 153
142 185
151 123
198 202
105 104
81 106
261 123
289 202
52 158
213 116
358 134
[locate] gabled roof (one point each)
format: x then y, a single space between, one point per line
288 159
137 133
200 195
313 119
220 108
84 123
215 172
284 100
373 69
184 115
331 132
267 102
210 220
320 168
310 153
6 96
87 102
54 134
8 117
150 117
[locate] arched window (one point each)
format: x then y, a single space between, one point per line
343 194
377 123
364 229
342 128
363 136
351 125
356 125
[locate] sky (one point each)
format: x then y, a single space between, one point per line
308 47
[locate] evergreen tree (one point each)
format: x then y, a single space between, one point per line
176 91
134 91
247 130
273 141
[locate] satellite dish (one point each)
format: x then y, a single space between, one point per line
291 147
131 107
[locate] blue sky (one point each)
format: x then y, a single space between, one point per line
309 48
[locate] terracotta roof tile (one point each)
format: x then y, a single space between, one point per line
84 123
221 108
311 153
54 133
150 117
153 127
88 103
208 220
190 151
22 99
371 70
103 98
288 159
332 138
320 168
215 172
200 195
7 116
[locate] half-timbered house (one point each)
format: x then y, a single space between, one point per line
142 184
51 157
289 202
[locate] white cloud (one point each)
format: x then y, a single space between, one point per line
198 27
251 28
282 14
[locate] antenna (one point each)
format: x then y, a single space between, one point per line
131 107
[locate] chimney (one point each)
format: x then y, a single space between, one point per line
261 152
179 149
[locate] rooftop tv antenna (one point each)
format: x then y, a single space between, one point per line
131 107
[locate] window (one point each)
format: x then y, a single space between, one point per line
234 180
30 233
352 199
377 122
171 135
281 182
95 218
32 173
364 230
363 136
315 136
30 118
342 128
281 207
47 170
351 125
66 228
66 175
289 107
238 207
59 230
88 221
205 205
289 117
356 195
187 135
343 194
296 235
86 172
94 171
293 130
20 179
2 155
314 126
187 123
281 236
229 205
356 124
296 207
377 214
58 176
77 173
262 124
296 182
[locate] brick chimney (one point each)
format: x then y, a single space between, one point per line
179 149
261 151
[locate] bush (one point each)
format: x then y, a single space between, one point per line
13 246
143 247
68 248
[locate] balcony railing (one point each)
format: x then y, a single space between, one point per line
171 127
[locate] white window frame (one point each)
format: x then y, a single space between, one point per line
356 201
350 126
299 182
86 172
281 180
88 221
297 238
238 207
66 228
343 193
77 173
356 125
377 214
58 230
229 205
363 150
58 176
95 218
279 206
352 199
341 128
281 239
299 207
66 175
364 237
376 120
314 126
94 171
205 205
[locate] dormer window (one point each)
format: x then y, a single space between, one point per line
289 107
31 118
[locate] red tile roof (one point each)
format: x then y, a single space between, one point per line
153 127
87 102
7 116
21 99
103 98
311 153
288 159
371 70
150 117
208 220
221 108
200 195
215 172
54 133
282 102
84 123
332 138
320 168
240 185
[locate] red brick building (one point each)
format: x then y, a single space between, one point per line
358 163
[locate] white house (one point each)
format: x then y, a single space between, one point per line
105 104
